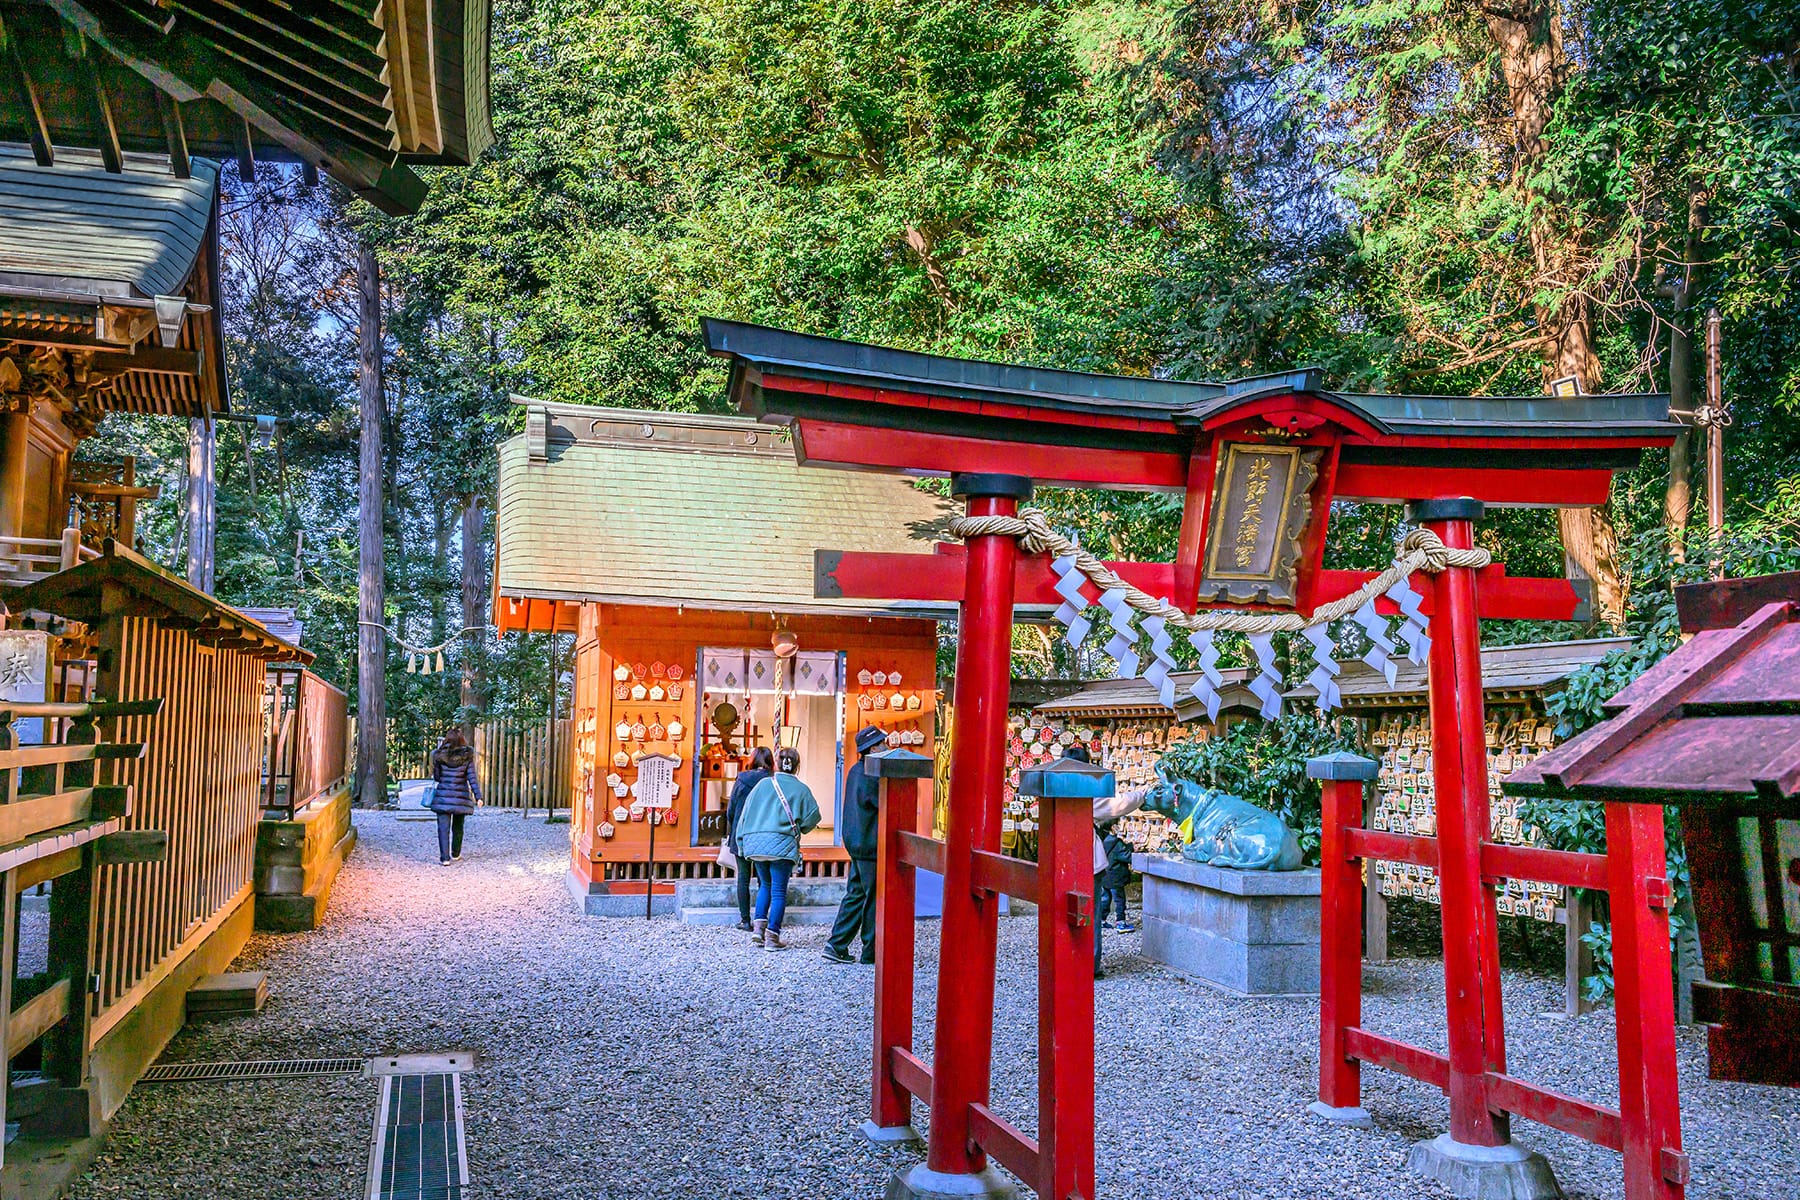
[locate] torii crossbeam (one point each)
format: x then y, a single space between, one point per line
1259 462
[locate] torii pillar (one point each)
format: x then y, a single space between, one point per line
954 1166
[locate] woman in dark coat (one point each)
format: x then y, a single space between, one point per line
458 792
762 765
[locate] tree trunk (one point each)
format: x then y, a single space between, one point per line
1678 500
201 514
440 567
474 683
1529 38
371 633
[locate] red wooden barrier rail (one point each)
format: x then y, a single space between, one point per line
1060 1161
1483 1095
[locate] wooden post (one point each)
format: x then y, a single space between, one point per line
1065 875
69 1110
371 631
9 954
1340 933
890 1105
1578 960
1644 1003
15 442
1459 779
1375 906
964 1044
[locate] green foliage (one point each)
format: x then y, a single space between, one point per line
1264 762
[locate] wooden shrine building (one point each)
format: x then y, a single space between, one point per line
357 89
108 303
678 550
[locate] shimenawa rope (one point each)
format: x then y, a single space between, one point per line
1421 550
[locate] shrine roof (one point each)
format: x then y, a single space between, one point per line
87 593
1717 720
623 506
1138 698
1526 667
76 227
848 371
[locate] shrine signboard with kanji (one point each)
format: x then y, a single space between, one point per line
1261 504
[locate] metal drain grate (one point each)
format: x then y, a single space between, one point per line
289 1068
418 1151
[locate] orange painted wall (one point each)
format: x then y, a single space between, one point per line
612 634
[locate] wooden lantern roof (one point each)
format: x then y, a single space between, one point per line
358 89
865 406
108 287
1716 723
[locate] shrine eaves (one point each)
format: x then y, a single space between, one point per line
1263 457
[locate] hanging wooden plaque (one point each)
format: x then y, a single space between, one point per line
1262 503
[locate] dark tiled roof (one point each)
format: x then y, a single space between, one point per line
75 227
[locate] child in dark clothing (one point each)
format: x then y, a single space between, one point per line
1114 879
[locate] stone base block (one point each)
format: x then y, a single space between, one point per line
888 1135
600 904
1255 933
1509 1172
922 1183
1351 1117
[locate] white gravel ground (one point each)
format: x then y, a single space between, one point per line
619 1058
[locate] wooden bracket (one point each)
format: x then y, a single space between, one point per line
1657 893
1081 909
132 846
1676 1168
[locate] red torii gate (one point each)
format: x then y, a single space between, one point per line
1259 462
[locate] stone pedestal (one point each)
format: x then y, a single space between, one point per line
922 1183
1252 932
1509 1172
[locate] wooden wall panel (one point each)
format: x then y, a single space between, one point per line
200 780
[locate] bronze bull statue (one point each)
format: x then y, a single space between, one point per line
1223 830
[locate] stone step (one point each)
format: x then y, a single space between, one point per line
238 993
802 914
722 893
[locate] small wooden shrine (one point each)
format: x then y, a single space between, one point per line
1714 730
92 323
678 550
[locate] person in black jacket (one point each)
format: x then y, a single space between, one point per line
762 765
1115 878
862 797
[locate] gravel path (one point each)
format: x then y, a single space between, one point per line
620 1058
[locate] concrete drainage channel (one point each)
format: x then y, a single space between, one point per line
417 1151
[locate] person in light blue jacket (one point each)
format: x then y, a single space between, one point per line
776 813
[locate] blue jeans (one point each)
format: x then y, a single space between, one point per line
771 889
1112 899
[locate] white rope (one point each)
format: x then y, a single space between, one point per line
426 660
1421 550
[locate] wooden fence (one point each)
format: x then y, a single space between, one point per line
306 739
150 929
512 760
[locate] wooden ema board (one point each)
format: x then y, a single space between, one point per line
610 637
